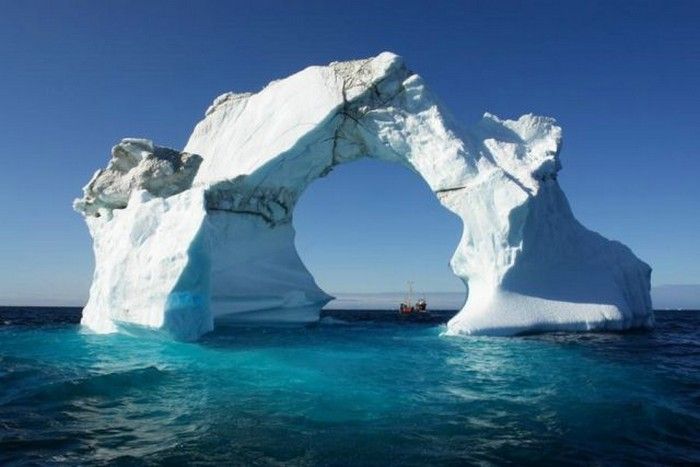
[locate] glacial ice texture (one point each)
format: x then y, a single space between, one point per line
184 238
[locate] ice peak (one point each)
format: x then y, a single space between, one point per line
137 164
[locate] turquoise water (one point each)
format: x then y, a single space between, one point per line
363 393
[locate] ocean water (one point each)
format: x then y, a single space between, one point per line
369 392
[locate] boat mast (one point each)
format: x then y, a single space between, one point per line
410 293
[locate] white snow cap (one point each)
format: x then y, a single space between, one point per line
206 234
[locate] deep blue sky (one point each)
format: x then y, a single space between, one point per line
621 78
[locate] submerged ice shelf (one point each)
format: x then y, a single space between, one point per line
182 238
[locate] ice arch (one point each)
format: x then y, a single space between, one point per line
181 238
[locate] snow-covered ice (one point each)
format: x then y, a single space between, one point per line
182 238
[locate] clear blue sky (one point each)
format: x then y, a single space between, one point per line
621 78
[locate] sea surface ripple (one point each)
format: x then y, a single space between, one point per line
368 392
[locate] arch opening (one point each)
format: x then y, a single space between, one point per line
368 228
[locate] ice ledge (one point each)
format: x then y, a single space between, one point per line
510 314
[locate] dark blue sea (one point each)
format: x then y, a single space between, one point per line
369 391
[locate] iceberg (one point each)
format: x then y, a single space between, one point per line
183 239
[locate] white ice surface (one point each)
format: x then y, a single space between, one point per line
191 242
152 266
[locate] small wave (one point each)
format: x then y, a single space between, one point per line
328 321
106 385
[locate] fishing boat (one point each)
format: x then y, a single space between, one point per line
407 307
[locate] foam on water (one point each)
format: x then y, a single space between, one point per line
366 393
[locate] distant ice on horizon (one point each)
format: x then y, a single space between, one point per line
664 297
